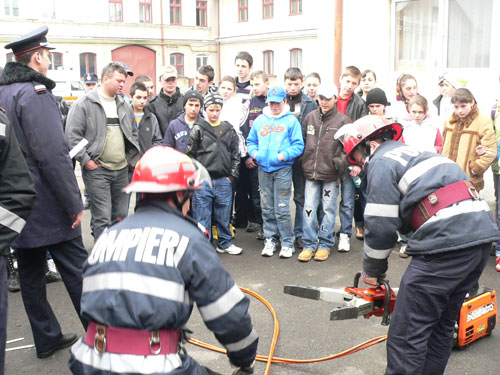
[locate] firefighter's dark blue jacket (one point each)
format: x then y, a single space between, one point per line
145 273
399 177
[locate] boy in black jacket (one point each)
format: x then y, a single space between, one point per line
215 144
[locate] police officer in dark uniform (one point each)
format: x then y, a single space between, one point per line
17 195
90 81
144 274
54 223
451 227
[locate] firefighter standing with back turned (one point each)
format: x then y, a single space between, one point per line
143 275
452 231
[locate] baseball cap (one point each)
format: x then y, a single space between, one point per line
276 94
327 90
129 72
168 71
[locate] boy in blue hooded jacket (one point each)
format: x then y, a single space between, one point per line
274 142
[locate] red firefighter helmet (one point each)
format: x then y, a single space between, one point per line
163 169
366 128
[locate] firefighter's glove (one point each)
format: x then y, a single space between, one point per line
243 371
371 280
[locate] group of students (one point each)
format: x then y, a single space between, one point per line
263 143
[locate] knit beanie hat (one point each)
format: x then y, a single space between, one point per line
213 98
376 96
192 94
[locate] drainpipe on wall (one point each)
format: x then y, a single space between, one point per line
337 58
218 40
162 35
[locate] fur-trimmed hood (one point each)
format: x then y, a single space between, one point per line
15 72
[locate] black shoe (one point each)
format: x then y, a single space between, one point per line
260 233
65 342
52 277
13 283
239 224
252 227
299 245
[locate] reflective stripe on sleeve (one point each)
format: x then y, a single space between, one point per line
124 363
3 127
134 282
419 170
11 220
377 254
223 305
242 344
383 210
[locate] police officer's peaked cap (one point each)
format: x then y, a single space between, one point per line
90 78
31 41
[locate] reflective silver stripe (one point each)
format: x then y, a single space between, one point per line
459 208
383 210
135 282
125 363
377 254
11 220
2 129
419 170
223 305
242 344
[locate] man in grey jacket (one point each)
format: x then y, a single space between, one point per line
106 122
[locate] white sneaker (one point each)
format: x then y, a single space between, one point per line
269 248
344 245
287 252
51 265
232 250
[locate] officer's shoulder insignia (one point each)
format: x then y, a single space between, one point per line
203 230
2 110
40 89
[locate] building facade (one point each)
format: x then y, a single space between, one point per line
422 37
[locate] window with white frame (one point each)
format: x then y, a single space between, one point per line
295 7
56 60
11 8
202 59
469 33
296 58
432 34
268 62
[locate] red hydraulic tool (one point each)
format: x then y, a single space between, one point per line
352 301
477 317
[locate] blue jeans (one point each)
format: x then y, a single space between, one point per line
299 183
108 201
346 204
275 193
320 236
216 199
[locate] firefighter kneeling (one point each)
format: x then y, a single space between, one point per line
430 198
143 275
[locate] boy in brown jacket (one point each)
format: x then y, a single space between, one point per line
323 163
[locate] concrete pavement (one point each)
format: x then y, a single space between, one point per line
305 329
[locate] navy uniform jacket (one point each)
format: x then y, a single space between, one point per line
17 191
36 119
399 177
145 273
